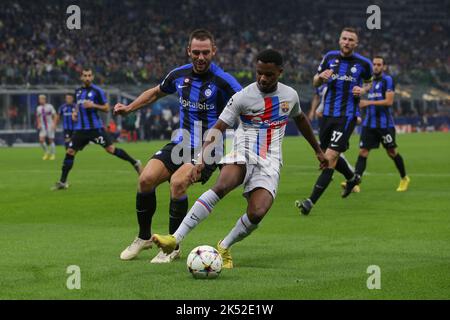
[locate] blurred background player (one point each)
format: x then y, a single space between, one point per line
256 159
46 124
378 125
89 127
203 89
66 113
316 112
344 72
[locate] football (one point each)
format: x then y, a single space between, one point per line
204 262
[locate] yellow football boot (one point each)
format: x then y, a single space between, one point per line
404 183
356 189
52 157
226 256
166 243
46 156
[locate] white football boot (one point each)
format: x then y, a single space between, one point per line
134 248
162 257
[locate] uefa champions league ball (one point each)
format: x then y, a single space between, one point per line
204 262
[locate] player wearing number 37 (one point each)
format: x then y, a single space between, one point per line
348 76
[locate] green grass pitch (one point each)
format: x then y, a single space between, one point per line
322 256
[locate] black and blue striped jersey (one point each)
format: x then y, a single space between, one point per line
379 116
88 118
348 72
65 114
202 98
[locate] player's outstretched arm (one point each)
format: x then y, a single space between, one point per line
147 97
306 130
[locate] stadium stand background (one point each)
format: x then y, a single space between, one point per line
133 44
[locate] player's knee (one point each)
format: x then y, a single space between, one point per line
178 187
391 153
110 149
364 153
220 189
256 214
71 152
146 182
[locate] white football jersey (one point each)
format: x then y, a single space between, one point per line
45 113
263 119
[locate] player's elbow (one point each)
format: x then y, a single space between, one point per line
316 81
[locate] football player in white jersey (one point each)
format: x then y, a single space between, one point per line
46 124
263 108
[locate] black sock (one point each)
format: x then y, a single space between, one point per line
360 166
322 183
67 166
177 211
120 153
343 167
398 160
145 209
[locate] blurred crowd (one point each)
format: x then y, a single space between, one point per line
139 42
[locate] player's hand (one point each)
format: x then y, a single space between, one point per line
324 76
121 109
323 160
364 103
88 104
74 116
358 120
196 172
357 91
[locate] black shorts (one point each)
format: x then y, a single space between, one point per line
68 135
81 138
335 133
165 156
371 138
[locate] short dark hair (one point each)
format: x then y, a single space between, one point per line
380 57
87 68
201 34
351 30
270 56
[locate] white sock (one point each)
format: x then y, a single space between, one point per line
44 147
52 148
242 229
199 211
